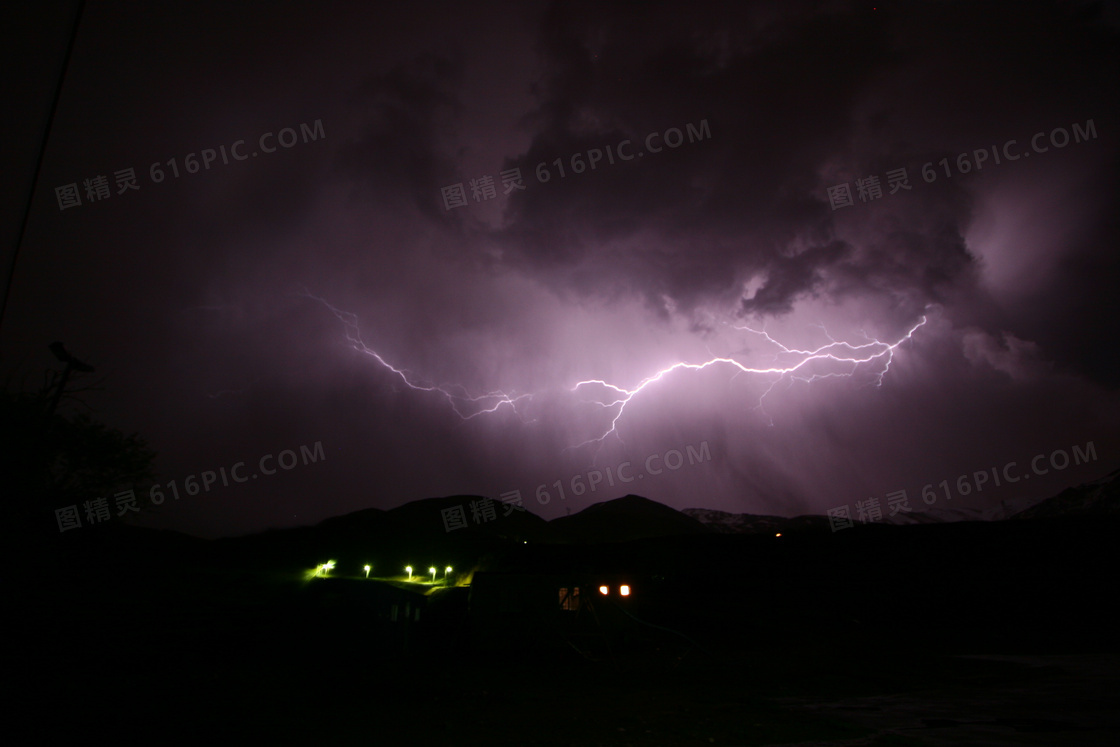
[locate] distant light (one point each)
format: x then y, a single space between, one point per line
432 571
446 571
604 590
409 569
624 590
779 534
323 568
367 571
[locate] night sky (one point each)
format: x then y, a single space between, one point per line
323 280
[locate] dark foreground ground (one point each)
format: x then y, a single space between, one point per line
107 644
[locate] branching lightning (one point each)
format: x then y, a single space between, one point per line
460 400
789 365
854 355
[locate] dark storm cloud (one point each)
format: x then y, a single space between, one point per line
408 113
797 101
791 277
909 258
717 209
191 290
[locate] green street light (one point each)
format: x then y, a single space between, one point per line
409 569
323 569
367 571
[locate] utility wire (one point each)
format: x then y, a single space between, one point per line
39 162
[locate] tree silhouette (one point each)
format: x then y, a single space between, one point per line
52 459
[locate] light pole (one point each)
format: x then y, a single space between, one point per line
72 364
409 569
432 571
367 571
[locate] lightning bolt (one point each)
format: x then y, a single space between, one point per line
465 405
789 365
855 355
